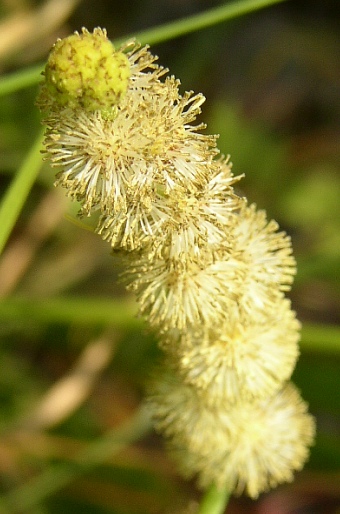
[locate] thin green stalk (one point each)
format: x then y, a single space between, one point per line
122 314
17 192
83 311
20 79
214 501
320 338
58 476
156 35
200 21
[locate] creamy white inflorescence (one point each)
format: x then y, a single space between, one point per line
209 272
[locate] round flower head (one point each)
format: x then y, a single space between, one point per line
266 443
263 259
243 359
84 71
176 224
178 412
182 296
249 446
269 252
242 280
132 148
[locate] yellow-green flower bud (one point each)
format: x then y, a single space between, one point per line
84 70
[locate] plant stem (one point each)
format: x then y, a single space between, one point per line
122 314
18 190
214 501
20 79
320 338
200 21
82 311
156 35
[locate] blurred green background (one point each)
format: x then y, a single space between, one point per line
73 358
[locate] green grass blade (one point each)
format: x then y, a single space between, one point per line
15 197
83 311
20 79
224 12
156 35
320 338
122 313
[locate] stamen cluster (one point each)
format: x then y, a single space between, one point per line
209 271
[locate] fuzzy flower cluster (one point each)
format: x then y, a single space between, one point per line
208 270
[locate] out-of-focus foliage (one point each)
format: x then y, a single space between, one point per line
272 82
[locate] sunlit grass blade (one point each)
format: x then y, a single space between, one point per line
83 311
122 313
224 12
15 197
320 338
156 35
20 79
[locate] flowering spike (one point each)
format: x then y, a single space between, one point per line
209 272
